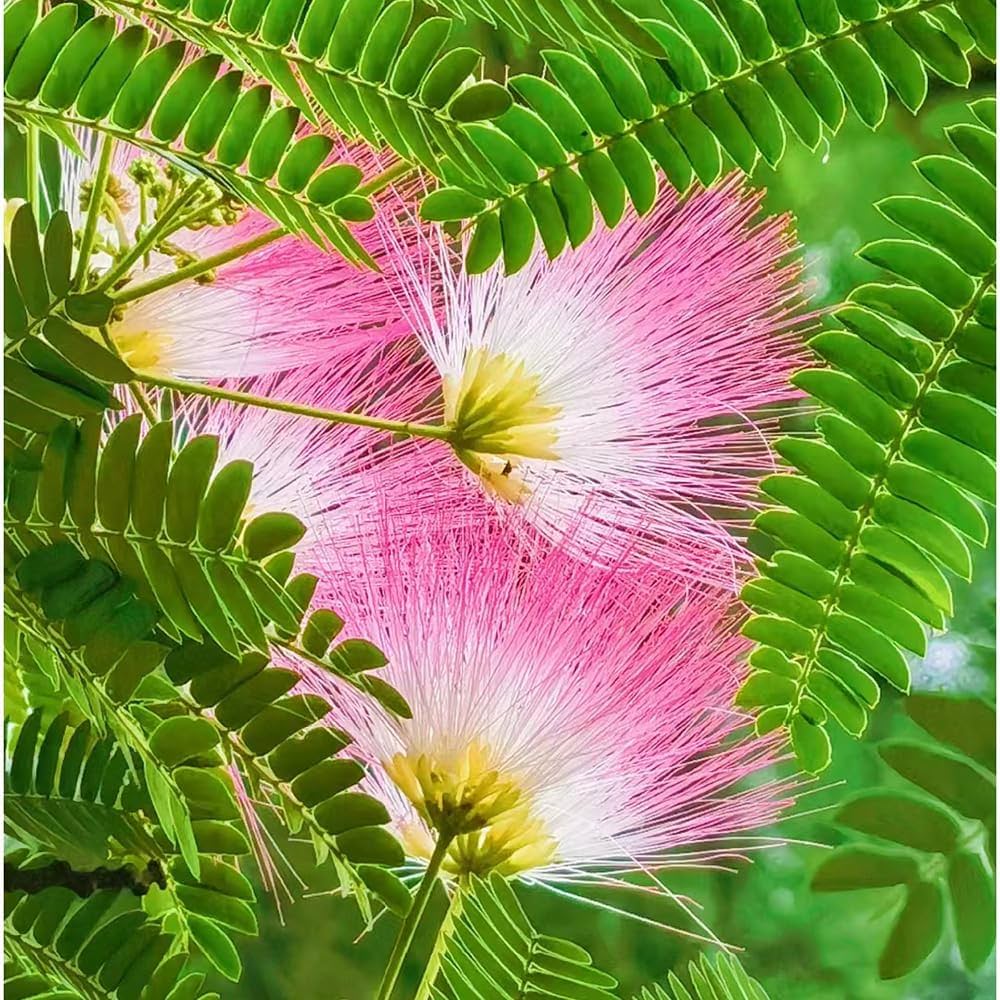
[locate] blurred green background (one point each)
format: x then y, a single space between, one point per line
801 946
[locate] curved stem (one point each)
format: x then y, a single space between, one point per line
131 292
440 432
142 401
409 925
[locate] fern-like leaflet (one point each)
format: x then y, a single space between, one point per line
142 648
61 76
886 500
723 979
590 132
489 947
726 83
78 798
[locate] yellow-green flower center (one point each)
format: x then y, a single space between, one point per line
485 812
141 349
499 419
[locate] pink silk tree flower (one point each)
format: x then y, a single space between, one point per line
628 387
570 723
332 476
284 304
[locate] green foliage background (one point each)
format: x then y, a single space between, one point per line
800 945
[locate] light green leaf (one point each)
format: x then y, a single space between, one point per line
811 745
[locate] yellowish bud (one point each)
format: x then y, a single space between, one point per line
501 475
9 211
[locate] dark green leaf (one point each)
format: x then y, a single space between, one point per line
916 932
904 819
973 902
855 867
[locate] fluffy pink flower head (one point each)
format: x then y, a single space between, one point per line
285 304
568 722
332 476
625 384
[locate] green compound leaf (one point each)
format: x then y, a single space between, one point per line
80 806
671 88
54 370
678 86
129 87
82 799
723 979
888 500
942 838
490 923
155 582
172 524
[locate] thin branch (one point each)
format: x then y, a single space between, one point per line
131 292
33 169
440 432
60 873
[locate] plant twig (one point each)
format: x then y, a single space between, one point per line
440 432
404 938
60 873
159 229
131 292
33 169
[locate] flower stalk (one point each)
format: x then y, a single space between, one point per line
440 941
199 267
404 938
440 432
160 229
